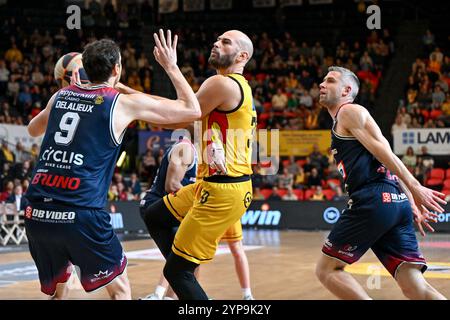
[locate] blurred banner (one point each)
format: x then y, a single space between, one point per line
286 3
297 215
15 133
264 3
168 6
301 142
437 141
154 141
193 5
221 4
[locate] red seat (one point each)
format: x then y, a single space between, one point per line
308 194
301 162
299 193
282 192
434 114
447 184
267 106
447 174
437 173
335 182
433 182
329 194
286 163
266 193
264 116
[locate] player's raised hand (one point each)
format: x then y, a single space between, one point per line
428 199
422 218
165 50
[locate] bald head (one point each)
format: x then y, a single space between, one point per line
242 39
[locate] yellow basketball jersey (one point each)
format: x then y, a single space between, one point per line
235 128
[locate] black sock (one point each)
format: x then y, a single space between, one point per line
161 225
179 272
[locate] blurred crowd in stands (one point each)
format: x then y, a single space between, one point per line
284 74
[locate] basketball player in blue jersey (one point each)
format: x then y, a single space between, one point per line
83 126
178 168
382 206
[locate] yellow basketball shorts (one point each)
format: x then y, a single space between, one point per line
180 202
208 211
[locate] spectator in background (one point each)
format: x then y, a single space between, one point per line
398 125
5 154
21 155
293 166
427 159
300 179
135 186
16 197
308 166
7 190
279 101
257 195
4 76
419 174
13 54
318 195
148 166
428 40
25 185
437 97
317 158
410 159
285 180
314 179
113 193
270 180
275 195
290 195
122 192
24 170
339 196
414 124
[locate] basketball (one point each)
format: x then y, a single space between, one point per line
64 67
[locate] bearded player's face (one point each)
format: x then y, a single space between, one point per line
223 53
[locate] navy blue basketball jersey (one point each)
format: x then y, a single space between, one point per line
158 187
79 151
356 164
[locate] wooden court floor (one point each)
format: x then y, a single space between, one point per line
282 268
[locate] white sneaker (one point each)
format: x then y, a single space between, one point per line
152 296
249 297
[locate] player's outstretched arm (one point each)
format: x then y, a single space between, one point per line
38 124
363 127
181 157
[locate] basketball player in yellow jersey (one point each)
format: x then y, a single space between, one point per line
224 190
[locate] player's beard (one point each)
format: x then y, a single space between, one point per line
221 61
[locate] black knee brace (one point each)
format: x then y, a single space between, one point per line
160 224
179 272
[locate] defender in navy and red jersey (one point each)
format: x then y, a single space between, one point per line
382 206
65 221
